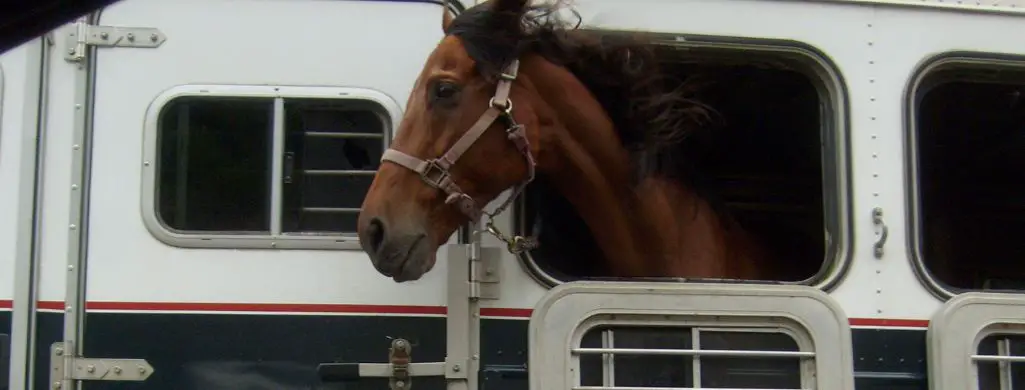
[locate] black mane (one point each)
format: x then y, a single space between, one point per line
652 119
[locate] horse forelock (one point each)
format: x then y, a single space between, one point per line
622 71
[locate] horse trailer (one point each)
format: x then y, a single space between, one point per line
839 120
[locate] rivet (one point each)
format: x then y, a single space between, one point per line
59 351
69 309
870 43
873 118
73 227
74 187
78 106
871 80
56 385
131 37
117 370
400 384
90 368
879 290
875 155
71 51
104 35
75 147
142 370
71 267
875 175
880 311
273 244
145 163
871 62
153 37
870 24
872 98
456 368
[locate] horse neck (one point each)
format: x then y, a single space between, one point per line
656 228
583 160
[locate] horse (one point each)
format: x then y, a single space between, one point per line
593 118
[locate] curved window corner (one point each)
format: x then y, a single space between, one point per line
262 167
965 150
785 108
662 335
977 342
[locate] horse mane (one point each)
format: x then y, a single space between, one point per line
623 72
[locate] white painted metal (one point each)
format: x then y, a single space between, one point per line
126 261
24 68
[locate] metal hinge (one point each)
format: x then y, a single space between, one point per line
485 274
65 368
399 370
83 35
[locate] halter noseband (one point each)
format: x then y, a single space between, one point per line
435 172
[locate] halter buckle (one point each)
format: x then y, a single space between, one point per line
434 174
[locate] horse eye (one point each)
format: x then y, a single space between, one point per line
445 90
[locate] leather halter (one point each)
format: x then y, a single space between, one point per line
435 171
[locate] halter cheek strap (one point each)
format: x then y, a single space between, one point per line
435 172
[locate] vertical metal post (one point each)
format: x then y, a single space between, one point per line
277 170
30 183
463 315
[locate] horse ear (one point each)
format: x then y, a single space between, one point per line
515 6
446 17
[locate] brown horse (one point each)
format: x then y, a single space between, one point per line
592 117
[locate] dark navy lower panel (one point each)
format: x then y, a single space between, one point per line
5 348
277 352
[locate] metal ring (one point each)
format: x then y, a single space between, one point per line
507 108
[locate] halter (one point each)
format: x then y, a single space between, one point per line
435 172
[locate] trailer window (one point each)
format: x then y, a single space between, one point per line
968 151
215 164
775 161
681 357
269 166
997 368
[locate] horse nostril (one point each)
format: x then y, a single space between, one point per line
375 234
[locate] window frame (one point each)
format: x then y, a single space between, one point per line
567 312
383 105
957 329
913 90
834 134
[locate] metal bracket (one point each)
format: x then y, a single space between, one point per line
65 367
399 370
84 35
877 219
485 274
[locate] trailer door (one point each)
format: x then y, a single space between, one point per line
219 155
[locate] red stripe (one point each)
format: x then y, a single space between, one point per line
366 309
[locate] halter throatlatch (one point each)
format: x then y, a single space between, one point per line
435 172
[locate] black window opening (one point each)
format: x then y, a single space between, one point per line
969 151
216 157
771 164
995 363
690 358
